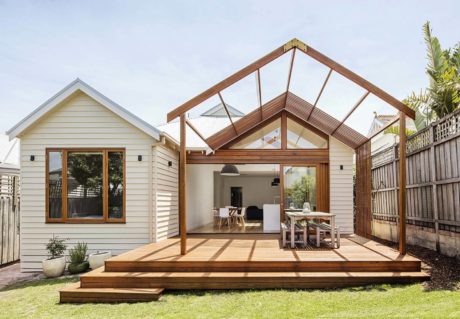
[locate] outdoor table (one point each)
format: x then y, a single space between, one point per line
295 215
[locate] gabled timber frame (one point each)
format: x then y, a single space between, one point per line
291 156
288 104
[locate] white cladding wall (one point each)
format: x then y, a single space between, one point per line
165 192
341 184
82 122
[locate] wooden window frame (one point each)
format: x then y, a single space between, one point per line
308 127
253 130
105 177
322 185
283 118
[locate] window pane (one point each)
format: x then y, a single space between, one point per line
84 184
299 187
116 184
55 184
299 136
268 137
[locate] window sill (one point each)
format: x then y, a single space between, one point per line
85 221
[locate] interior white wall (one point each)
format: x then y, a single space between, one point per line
200 195
257 190
218 202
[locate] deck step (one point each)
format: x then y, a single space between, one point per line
75 294
244 280
114 265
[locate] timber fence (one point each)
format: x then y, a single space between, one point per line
433 182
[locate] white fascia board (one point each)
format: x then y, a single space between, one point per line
74 86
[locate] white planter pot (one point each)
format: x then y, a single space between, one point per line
53 267
97 260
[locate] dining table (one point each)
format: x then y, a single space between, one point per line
298 214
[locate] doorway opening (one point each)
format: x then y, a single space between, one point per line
236 196
246 202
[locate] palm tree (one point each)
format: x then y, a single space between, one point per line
443 93
443 71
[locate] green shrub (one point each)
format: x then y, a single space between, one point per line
78 268
56 247
77 254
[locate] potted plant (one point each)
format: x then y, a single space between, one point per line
78 262
97 259
54 266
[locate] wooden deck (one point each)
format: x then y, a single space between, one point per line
251 227
254 252
237 261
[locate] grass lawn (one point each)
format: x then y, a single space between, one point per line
40 300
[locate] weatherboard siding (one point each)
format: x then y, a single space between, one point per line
166 192
341 184
80 121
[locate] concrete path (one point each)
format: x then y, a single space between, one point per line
12 274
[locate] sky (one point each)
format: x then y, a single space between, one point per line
151 56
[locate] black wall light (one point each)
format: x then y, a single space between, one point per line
341 167
32 158
139 158
170 163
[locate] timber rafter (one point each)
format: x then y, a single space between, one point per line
293 106
287 104
295 45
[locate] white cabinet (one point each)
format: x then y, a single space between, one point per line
271 218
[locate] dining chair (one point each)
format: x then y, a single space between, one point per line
240 215
232 211
224 216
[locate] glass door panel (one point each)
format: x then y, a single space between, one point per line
299 187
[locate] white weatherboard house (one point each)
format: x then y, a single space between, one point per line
127 197
93 172
384 140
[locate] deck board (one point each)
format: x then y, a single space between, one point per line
243 261
75 294
244 280
260 248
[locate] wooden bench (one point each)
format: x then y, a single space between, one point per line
286 229
324 228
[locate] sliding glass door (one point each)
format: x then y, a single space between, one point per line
299 187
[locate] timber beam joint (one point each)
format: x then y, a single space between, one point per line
295 43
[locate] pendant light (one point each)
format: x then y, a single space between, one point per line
229 170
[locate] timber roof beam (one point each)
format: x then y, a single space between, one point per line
311 114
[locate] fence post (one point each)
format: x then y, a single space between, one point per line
395 185
434 195
402 183
2 240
